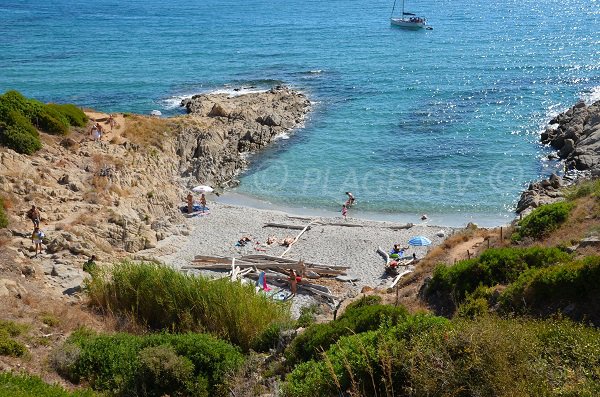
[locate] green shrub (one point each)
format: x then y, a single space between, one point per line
486 357
126 364
75 116
162 372
543 220
270 337
163 298
584 189
23 385
20 140
11 347
555 287
51 121
308 315
361 317
3 216
494 266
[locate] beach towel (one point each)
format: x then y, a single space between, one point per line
262 282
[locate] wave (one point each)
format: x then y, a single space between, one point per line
591 96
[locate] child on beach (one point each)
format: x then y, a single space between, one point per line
36 238
344 211
203 202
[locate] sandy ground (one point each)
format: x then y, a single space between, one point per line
217 234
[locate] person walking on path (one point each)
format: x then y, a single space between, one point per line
96 132
190 203
34 215
350 200
36 238
344 211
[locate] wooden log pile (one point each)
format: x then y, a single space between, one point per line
276 269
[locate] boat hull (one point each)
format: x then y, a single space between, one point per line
407 24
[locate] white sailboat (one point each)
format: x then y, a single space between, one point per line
408 20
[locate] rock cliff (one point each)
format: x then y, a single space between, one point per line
212 151
123 194
575 134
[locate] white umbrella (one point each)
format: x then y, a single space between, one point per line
203 189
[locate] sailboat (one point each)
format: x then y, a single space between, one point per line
408 20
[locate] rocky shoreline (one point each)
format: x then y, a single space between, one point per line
575 134
121 195
215 152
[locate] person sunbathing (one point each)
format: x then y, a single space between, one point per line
287 241
243 241
271 240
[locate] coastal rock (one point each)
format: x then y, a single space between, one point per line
576 135
211 150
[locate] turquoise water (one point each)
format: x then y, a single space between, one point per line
443 122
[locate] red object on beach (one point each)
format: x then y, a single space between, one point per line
265 286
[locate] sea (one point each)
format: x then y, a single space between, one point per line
443 122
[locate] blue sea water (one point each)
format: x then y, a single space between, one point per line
443 122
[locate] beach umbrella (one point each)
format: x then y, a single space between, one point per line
419 241
202 189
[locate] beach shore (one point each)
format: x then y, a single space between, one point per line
334 241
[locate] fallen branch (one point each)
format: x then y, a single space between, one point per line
283 226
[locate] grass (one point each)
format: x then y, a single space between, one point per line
162 298
24 385
147 131
9 346
429 356
550 289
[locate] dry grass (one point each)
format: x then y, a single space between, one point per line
149 131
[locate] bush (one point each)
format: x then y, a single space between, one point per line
3 216
23 385
271 337
19 140
487 357
543 220
133 365
163 298
494 266
18 115
162 372
72 113
361 316
11 347
556 287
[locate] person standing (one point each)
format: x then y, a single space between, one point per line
36 238
34 215
344 211
190 203
203 202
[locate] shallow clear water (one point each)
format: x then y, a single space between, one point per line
444 122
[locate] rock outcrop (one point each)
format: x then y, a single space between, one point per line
122 195
575 134
213 144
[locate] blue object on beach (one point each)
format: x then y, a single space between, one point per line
419 241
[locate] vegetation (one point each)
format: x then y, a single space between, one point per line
163 298
543 220
3 216
430 356
19 117
8 345
148 365
576 282
23 385
584 189
366 314
494 266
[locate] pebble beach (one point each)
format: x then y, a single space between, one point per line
330 241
